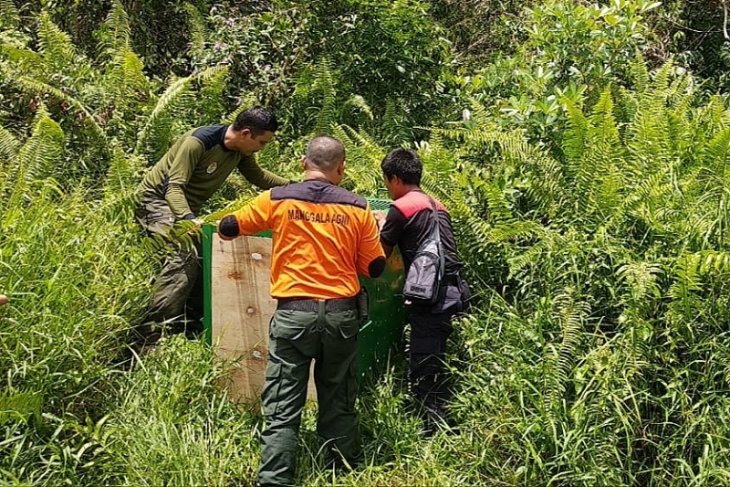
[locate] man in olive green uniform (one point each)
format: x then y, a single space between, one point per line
323 237
182 181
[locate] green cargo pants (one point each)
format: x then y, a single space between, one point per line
179 280
297 337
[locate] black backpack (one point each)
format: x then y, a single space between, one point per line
424 277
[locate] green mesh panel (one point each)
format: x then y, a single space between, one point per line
377 204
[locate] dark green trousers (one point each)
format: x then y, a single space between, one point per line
296 338
179 280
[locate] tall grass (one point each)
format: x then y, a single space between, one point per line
596 354
77 279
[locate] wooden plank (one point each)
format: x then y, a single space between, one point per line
241 311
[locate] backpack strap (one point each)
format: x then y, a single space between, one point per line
435 231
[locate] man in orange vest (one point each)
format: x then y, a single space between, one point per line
323 237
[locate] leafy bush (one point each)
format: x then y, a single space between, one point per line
589 195
155 34
571 49
381 51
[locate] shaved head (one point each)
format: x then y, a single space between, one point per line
325 153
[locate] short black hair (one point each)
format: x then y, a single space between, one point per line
325 152
258 120
403 163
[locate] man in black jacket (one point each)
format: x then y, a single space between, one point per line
408 223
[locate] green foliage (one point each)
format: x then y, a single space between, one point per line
375 53
693 33
157 28
589 194
480 29
111 98
571 50
622 267
191 435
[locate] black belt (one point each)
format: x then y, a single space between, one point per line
304 304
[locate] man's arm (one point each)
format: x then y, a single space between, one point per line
182 167
388 249
251 219
391 229
370 257
260 178
380 219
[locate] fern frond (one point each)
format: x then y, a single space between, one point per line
248 100
688 279
479 136
480 114
35 161
648 142
716 154
9 15
9 145
603 119
360 140
560 357
43 148
209 104
662 79
363 159
574 139
38 87
639 72
714 262
359 103
9 148
55 45
529 257
117 31
196 26
641 278
499 207
125 79
391 121
573 315
121 173
170 99
439 162
324 82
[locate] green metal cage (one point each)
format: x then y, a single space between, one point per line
387 317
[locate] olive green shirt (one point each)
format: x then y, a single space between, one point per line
196 166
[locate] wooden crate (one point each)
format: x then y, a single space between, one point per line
238 309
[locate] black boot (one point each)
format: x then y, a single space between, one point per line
436 418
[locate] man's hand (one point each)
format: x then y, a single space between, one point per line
228 228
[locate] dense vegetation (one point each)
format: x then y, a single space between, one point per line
581 148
